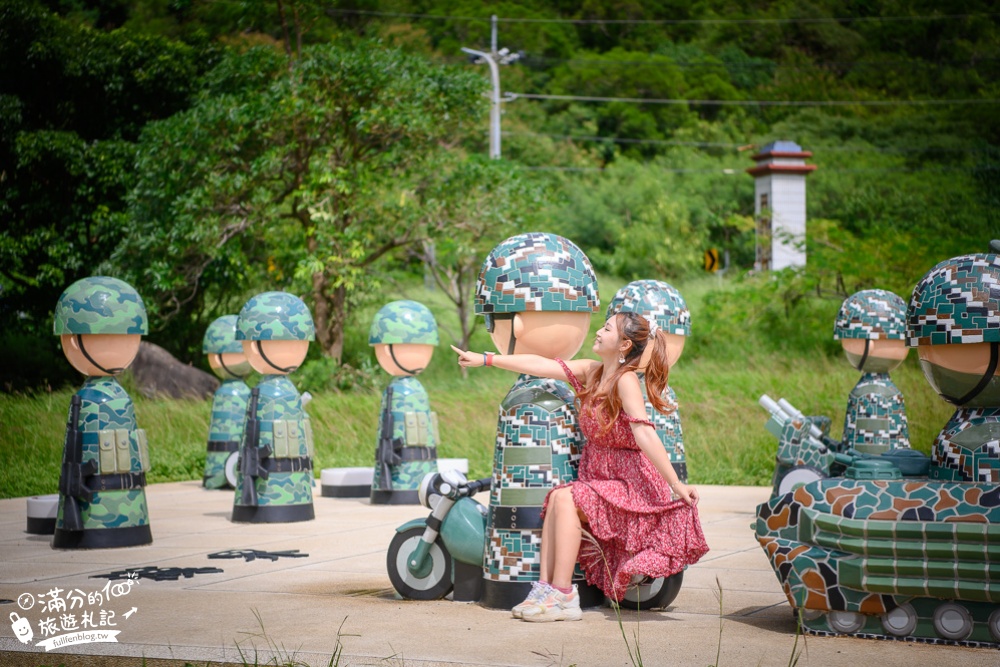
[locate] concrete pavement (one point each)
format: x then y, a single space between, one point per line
336 604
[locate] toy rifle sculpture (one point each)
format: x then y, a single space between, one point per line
252 453
389 452
71 482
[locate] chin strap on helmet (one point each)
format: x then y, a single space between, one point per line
401 366
260 348
109 371
983 381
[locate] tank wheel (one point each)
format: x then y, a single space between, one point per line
953 621
435 585
797 476
652 593
994 624
845 622
901 621
231 462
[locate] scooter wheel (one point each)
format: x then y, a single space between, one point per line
231 462
435 584
655 594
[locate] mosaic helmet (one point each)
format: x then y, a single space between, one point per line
403 322
874 314
958 301
275 316
220 336
536 271
100 305
657 299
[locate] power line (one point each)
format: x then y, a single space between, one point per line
748 103
666 61
744 146
840 19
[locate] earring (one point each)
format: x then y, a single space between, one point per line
621 359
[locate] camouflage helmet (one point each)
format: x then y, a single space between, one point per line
536 271
657 299
100 305
275 316
874 314
403 322
958 301
220 336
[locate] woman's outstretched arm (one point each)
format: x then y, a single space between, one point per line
532 364
648 441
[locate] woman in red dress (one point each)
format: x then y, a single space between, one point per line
639 518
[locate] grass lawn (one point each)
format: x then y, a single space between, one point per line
723 426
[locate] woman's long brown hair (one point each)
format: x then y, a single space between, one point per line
635 328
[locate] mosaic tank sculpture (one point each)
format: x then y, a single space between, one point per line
537 293
229 405
404 335
660 301
102 495
879 554
274 479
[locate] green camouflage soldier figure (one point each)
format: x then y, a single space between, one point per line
229 406
274 476
664 306
537 293
871 328
404 335
955 325
102 495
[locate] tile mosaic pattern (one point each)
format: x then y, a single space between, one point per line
958 301
536 271
875 420
657 299
968 448
873 314
537 414
668 429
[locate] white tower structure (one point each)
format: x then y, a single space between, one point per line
780 205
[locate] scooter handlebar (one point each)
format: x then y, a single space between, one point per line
478 485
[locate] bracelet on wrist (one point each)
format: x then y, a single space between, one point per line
487 358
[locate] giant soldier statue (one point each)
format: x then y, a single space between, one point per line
871 327
664 306
275 472
537 293
404 335
102 495
229 405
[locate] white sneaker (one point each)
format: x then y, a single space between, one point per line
539 590
554 606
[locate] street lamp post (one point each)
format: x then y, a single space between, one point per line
494 59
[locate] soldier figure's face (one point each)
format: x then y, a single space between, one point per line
957 368
109 354
230 365
883 354
403 359
548 334
675 347
275 357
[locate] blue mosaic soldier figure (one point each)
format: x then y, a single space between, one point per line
229 405
664 305
404 335
274 478
537 293
955 325
102 495
871 327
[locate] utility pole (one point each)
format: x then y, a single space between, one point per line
494 59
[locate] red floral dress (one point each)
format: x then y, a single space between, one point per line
638 527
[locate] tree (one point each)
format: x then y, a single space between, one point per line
467 206
294 161
73 102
